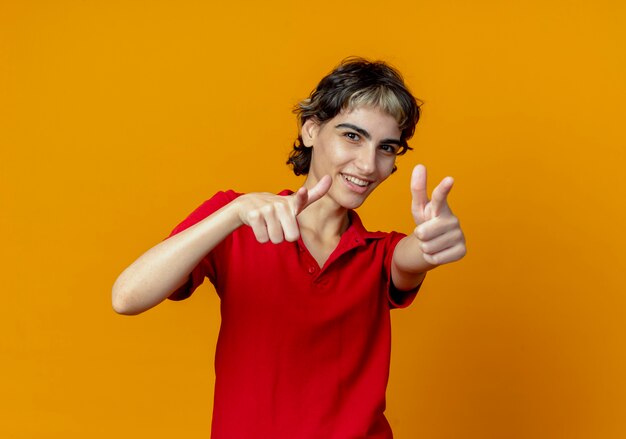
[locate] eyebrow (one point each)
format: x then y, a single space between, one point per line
367 135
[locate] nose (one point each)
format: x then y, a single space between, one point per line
366 160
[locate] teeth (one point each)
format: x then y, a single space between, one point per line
356 181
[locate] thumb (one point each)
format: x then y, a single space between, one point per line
305 197
419 195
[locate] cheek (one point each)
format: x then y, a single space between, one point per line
333 155
386 167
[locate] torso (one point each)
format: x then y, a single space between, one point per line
293 338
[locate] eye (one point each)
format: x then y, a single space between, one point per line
391 149
352 136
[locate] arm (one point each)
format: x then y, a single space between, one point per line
437 238
166 267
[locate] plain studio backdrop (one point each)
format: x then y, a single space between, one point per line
118 118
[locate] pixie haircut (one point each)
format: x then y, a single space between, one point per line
353 83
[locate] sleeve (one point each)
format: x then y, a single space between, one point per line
397 298
207 266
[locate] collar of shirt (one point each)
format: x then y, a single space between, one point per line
355 236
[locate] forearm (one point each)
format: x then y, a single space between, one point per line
408 266
165 267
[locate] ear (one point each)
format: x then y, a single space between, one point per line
309 131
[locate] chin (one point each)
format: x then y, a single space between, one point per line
352 206
352 202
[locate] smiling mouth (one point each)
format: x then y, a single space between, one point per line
356 181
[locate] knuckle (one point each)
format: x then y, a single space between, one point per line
291 235
463 251
267 209
419 232
277 239
436 259
457 253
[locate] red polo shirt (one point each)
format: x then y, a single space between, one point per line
303 351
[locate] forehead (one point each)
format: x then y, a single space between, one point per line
370 118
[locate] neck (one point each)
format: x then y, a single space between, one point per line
324 219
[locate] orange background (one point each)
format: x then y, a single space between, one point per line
117 118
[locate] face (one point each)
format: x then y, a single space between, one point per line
357 148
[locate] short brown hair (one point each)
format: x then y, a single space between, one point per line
355 82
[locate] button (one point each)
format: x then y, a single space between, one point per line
311 269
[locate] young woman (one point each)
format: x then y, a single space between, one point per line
305 290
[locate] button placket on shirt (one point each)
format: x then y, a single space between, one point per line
319 279
310 265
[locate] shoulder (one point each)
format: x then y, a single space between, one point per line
217 201
208 207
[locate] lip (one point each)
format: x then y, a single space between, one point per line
355 187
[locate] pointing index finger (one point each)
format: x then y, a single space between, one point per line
300 200
305 197
440 196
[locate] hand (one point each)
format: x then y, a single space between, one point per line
438 231
273 217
